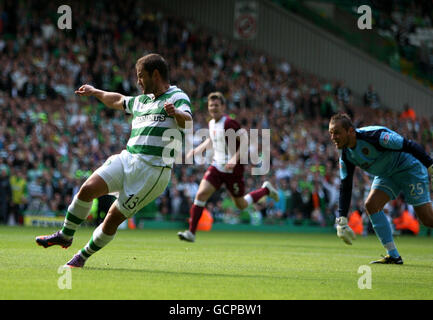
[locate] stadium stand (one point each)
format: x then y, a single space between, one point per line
50 139
401 37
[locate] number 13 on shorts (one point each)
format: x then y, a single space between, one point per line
131 202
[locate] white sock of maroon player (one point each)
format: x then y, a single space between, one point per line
256 195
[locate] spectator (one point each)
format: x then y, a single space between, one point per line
36 193
294 200
18 184
371 98
274 214
343 93
408 113
284 194
318 201
176 201
5 195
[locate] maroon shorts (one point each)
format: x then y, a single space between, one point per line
234 182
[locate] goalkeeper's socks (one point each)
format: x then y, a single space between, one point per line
77 213
383 231
98 240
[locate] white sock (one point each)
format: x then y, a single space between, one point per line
199 203
98 241
78 211
249 199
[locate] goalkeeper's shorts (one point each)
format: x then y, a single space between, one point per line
413 182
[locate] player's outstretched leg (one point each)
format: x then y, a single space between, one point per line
102 235
98 240
255 196
53 239
273 193
77 212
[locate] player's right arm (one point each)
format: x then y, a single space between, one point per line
112 100
347 170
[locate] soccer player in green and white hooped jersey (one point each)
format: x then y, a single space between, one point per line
138 174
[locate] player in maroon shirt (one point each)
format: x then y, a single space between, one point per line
222 171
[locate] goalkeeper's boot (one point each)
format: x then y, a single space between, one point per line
77 261
388 260
273 193
344 232
54 239
186 236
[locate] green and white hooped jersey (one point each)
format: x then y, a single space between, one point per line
150 121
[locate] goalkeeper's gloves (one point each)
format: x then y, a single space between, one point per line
344 232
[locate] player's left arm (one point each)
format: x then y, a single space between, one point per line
181 117
418 152
180 109
394 141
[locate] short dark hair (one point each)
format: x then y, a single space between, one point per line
217 96
152 62
344 119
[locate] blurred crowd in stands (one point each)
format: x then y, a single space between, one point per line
410 24
51 140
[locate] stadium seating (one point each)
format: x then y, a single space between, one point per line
57 139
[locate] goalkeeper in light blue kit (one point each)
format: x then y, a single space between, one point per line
398 164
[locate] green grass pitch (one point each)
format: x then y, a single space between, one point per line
221 265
